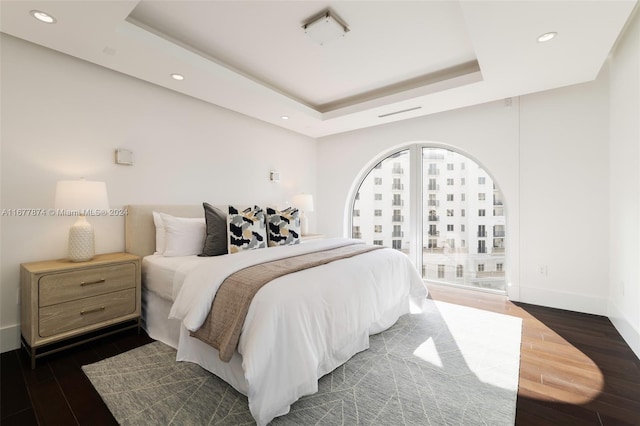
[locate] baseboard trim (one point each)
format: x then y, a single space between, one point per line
9 338
626 329
564 300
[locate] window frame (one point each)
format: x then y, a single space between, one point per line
418 171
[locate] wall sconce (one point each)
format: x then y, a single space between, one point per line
124 156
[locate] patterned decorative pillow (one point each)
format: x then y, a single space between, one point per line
283 227
247 229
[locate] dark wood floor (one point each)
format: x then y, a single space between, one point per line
575 369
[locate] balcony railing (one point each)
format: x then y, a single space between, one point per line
433 203
488 274
433 250
482 249
397 202
397 186
357 234
397 170
497 202
432 218
497 250
482 234
458 250
498 233
433 172
397 218
397 234
433 187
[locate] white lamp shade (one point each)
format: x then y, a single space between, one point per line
81 195
304 202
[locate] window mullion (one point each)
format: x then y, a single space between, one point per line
415 210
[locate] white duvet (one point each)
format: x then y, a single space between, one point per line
303 325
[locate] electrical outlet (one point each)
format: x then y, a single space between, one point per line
542 270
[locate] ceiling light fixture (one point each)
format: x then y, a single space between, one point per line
547 36
178 77
284 117
325 27
43 17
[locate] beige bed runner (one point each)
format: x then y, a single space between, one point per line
224 323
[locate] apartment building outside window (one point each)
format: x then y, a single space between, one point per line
448 253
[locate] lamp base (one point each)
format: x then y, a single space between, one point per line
304 224
81 241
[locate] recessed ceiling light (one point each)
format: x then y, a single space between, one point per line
43 17
178 77
546 37
284 117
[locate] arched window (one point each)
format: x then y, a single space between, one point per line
461 228
380 208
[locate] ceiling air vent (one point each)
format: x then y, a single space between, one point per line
399 112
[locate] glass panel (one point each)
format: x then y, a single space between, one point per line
382 204
463 222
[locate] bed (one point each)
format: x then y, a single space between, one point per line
298 328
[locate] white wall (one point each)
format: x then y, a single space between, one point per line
624 276
63 118
548 154
564 184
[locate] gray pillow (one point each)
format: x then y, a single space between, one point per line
215 242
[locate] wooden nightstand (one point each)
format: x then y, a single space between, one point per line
66 303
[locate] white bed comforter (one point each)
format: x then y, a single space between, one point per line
303 325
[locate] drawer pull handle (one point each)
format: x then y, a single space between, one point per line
82 284
101 308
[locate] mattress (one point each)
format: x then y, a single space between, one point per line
164 275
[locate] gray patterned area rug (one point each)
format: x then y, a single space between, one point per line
451 365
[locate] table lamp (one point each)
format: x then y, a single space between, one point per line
81 197
304 202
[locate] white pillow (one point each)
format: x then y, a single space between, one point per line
179 236
160 233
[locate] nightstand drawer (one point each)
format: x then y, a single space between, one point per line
67 286
84 312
